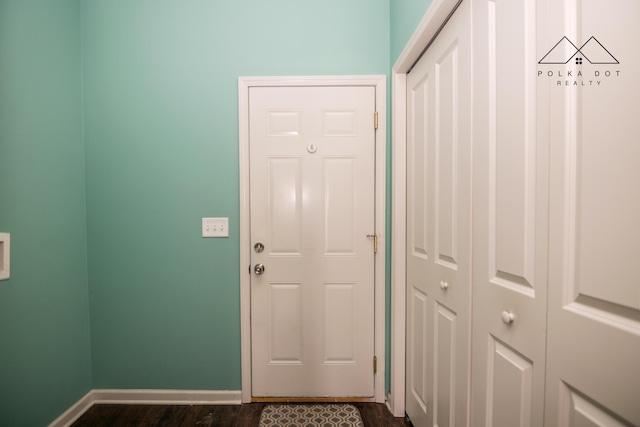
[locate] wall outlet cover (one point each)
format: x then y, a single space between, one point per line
5 259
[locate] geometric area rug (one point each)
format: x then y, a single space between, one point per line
334 415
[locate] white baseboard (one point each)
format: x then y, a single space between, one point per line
168 397
393 408
388 402
74 412
147 397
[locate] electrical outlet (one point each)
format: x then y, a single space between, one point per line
215 227
5 251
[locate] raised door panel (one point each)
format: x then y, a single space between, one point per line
447 148
444 364
340 207
513 140
419 126
419 247
578 410
284 193
418 359
340 327
285 320
509 386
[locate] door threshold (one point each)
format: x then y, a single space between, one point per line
311 399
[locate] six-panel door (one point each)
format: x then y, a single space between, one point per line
312 207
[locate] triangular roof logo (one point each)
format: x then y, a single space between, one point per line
565 50
594 52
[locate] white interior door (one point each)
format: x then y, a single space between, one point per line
510 212
593 360
312 155
438 228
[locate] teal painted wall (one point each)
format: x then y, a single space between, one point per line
160 121
161 134
405 15
45 355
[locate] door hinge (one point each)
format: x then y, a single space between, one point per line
375 120
375 364
375 242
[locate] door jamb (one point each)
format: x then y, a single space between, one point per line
379 83
435 17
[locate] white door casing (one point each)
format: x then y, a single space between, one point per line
327 196
593 356
438 249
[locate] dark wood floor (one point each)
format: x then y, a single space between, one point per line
373 415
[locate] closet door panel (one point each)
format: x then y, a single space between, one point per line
439 228
594 299
510 215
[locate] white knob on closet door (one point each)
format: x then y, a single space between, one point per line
508 317
444 285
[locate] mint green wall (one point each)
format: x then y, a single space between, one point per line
161 121
45 356
160 118
405 17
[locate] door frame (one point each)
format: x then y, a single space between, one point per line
434 19
379 83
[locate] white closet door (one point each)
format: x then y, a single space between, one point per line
510 212
594 282
438 228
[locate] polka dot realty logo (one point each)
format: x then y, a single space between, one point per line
569 65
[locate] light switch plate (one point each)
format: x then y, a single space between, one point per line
215 227
5 252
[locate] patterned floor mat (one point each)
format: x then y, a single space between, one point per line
334 415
